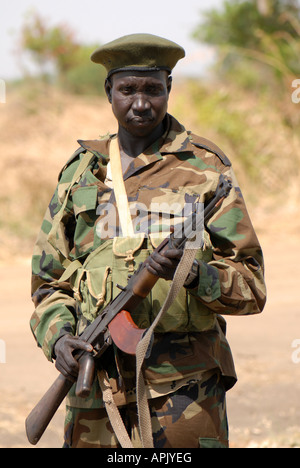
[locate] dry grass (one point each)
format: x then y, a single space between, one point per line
39 128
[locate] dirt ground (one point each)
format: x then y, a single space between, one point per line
263 407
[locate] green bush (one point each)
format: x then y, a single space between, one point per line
60 58
85 77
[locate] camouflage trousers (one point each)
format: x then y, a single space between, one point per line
192 417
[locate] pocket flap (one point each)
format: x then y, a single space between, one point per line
84 198
156 238
122 246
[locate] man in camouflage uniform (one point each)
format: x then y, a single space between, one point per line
190 367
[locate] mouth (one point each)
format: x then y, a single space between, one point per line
138 120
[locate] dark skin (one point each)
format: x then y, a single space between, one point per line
139 102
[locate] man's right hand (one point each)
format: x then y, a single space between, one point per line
65 363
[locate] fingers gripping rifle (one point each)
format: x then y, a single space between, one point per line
114 324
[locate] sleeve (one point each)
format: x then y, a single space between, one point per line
55 312
233 281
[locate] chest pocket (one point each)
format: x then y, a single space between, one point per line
92 284
95 281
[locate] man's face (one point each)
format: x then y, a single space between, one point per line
139 100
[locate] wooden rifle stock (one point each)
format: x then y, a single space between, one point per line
41 415
114 322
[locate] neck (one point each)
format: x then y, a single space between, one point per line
132 145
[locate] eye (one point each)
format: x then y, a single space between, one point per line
127 90
154 90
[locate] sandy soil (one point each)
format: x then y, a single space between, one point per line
264 409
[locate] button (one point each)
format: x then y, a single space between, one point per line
208 291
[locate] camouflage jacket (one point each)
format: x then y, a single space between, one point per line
177 168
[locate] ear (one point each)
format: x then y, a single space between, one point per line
108 88
169 83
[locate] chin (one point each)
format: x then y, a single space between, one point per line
141 131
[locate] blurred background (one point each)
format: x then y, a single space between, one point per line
239 86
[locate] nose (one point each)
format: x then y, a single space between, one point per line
141 104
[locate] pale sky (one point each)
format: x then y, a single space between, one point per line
98 21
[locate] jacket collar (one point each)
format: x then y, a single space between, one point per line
175 140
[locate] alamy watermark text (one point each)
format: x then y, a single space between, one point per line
296 93
296 352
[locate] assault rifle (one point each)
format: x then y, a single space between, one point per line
114 324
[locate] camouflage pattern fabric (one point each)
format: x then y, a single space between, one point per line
194 416
176 169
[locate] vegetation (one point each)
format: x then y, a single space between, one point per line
258 47
59 57
263 30
250 106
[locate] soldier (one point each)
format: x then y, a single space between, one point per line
92 238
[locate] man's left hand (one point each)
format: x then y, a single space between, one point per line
164 265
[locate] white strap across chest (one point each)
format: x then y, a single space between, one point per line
119 189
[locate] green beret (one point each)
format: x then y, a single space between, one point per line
138 52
